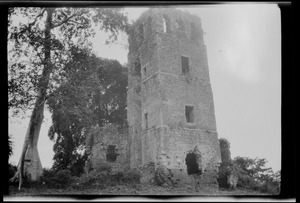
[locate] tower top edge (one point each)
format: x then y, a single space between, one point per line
172 12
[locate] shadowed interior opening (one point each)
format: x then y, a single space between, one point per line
111 154
191 163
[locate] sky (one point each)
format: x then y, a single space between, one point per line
244 56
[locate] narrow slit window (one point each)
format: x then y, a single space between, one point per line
149 25
189 114
145 70
185 64
166 24
146 120
137 68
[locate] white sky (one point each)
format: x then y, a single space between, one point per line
244 55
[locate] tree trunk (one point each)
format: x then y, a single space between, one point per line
30 155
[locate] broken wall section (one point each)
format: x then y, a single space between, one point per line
168 147
108 145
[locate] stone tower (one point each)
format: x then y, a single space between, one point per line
170 100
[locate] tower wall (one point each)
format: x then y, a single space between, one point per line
160 92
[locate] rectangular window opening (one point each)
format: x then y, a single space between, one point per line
111 154
145 70
137 68
146 120
189 114
185 64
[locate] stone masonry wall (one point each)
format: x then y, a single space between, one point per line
158 127
98 141
174 144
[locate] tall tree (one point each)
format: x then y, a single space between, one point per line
94 92
38 49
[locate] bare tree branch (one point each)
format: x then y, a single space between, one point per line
28 28
69 18
73 21
33 23
64 21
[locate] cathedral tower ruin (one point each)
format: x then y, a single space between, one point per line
170 101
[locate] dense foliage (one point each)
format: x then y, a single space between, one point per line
93 92
100 177
27 45
40 42
254 174
251 173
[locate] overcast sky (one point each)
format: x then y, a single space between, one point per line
244 56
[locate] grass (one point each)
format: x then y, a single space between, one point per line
129 189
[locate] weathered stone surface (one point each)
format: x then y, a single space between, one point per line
147 172
98 144
159 131
167 74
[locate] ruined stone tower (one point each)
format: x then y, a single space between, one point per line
170 100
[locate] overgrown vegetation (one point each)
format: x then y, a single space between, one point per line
252 176
251 173
94 93
100 177
40 41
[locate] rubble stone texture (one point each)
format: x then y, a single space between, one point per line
107 145
170 100
170 107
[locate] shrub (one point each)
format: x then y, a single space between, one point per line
131 176
56 179
225 170
247 182
117 176
103 176
270 187
12 169
103 167
94 178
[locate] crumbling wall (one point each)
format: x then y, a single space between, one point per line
173 144
160 131
99 143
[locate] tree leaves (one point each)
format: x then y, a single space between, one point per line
44 43
93 92
26 44
253 167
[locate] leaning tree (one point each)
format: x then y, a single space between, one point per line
39 40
